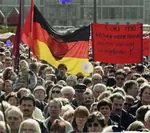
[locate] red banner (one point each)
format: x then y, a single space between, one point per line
117 43
146 44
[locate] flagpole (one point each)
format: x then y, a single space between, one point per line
94 12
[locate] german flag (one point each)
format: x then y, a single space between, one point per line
55 48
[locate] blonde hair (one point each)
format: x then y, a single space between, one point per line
34 124
135 126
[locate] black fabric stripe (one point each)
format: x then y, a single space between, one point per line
81 34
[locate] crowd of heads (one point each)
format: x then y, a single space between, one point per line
38 98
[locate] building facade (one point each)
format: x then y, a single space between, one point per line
80 12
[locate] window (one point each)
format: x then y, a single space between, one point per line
133 13
112 2
133 2
88 2
112 13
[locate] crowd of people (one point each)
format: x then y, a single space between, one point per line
37 98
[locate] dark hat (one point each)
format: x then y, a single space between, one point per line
80 87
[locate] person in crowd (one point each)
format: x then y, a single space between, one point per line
119 90
87 81
118 114
93 107
120 77
7 73
27 106
12 99
147 120
8 62
79 92
58 126
141 111
14 117
105 106
136 126
55 92
29 126
34 68
96 78
41 72
80 118
7 86
98 89
61 74
129 101
88 98
141 80
4 128
27 75
40 81
131 88
71 80
95 122
54 111
69 116
40 94
111 82
98 70
144 98
104 94
68 92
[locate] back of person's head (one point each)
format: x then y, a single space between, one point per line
141 111
135 126
35 127
58 126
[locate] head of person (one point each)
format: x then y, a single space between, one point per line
111 81
27 105
93 107
141 80
131 88
80 116
147 119
55 92
58 126
98 89
62 69
55 108
120 77
136 126
87 81
141 111
117 103
14 117
7 73
104 94
3 128
129 101
22 92
71 80
88 97
34 68
7 86
96 122
29 125
96 78
8 62
99 70
12 98
69 115
145 93
79 90
119 90
68 92
105 107
23 65
39 93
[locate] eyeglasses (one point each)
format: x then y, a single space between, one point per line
56 92
94 124
120 79
128 104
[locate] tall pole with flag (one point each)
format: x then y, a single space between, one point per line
17 40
